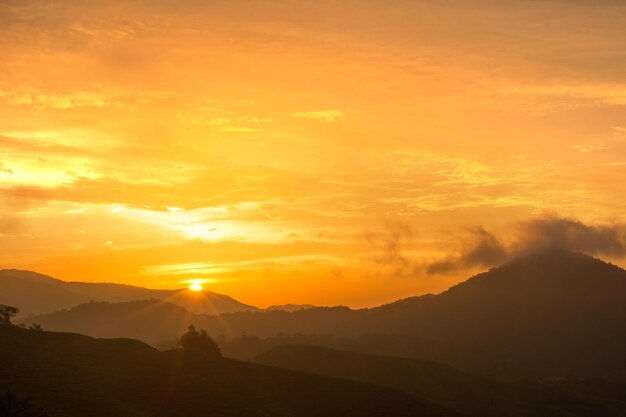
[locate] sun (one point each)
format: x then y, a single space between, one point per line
195 287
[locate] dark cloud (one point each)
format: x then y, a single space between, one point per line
482 249
389 245
552 232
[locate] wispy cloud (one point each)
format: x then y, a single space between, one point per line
239 129
389 246
481 248
216 268
588 148
40 100
325 115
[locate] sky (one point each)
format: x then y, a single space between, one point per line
328 152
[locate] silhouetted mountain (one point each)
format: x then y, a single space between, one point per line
149 320
153 321
551 314
290 307
440 384
71 375
207 302
36 294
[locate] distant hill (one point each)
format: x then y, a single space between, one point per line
553 314
440 384
290 307
154 321
35 294
148 320
71 375
550 313
207 302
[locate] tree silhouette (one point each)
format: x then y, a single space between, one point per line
198 344
12 406
7 313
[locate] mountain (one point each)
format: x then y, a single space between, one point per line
418 377
290 307
154 321
445 386
150 321
35 294
554 314
70 375
207 302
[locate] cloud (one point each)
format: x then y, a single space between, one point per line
480 249
4 169
588 148
483 249
71 100
10 225
326 115
239 129
618 136
204 268
389 245
553 232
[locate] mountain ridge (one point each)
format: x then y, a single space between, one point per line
37 293
547 314
71 375
445 386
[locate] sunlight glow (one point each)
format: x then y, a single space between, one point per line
195 287
291 154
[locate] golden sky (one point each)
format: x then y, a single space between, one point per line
327 152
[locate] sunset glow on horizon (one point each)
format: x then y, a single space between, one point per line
328 152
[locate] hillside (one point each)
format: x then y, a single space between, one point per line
71 375
440 384
290 307
137 319
150 321
548 314
37 294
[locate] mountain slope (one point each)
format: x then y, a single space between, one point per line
549 313
72 375
207 302
150 321
153 321
290 307
440 384
36 294
553 314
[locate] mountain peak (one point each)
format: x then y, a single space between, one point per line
544 271
36 293
27 275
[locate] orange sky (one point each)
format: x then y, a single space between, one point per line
310 152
